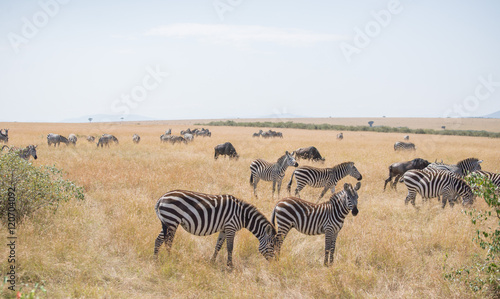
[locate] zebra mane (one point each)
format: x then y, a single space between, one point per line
342 165
462 163
281 159
252 210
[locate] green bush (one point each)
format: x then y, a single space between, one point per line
24 188
484 275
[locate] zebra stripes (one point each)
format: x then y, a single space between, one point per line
263 170
433 183
203 214
494 177
325 178
23 153
404 146
462 168
312 219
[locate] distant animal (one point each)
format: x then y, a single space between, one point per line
326 178
430 184
204 133
106 139
340 136
271 134
188 131
398 169
462 168
136 138
494 177
72 139
4 135
406 137
204 214
24 153
188 137
308 153
316 219
91 139
262 170
172 139
258 134
56 139
168 132
226 149
404 146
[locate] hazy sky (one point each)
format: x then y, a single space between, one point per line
61 59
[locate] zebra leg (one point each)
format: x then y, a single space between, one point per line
280 237
166 235
323 193
332 248
410 197
279 187
274 187
256 179
329 238
229 244
220 241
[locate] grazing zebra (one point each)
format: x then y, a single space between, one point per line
56 139
406 146
172 139
340 136
91 139
204 214
136 138
24 153
105 139
188 137
4 135
326 178
263 170
462 168
433 183
316 219
494 177
72 139
258 134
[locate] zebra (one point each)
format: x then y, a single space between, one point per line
172 139
494 177
72 138
433 183
168 132
258 134
316 219
261 169
462 168
406 137
340 136
136 138
23 153
105 139
188 137
326 178
4 135
56 139
398 146
90 139
204 214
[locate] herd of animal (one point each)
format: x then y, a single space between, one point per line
204 214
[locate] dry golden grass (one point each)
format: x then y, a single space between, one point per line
102 247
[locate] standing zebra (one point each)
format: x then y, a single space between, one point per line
263 170
340 136
203 214
316 219
56 139
433 183
325 178
24 153
494 177
4 135
462 168
408 146
136 138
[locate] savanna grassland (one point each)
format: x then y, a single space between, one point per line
102 247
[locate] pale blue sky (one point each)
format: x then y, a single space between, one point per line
62 59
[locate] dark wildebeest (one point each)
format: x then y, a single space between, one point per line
136 138
56 139
91 139
4 135
72 138
105 139
399 168
226 149
24 153
308 153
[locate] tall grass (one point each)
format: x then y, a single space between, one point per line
103 246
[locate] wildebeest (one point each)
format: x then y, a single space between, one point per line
72 138
4 135
271 134
91 139
105 139
399 146
24 153
136 138
226 149
340 136
56 139
398 169
308 153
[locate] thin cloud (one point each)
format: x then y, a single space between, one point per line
222 33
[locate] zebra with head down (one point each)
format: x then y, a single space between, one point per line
56 139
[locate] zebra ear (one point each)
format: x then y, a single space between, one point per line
358 185
269 230
286 153
346 186
480 161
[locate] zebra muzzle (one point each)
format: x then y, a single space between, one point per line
355 211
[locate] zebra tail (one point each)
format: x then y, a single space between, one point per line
402 179
251 178
289 186
273 217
